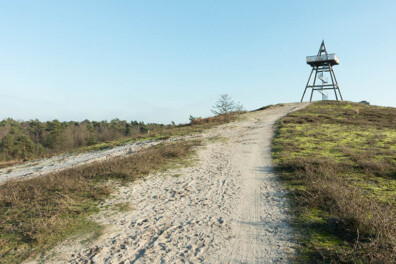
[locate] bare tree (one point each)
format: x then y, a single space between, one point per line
239 107
224 105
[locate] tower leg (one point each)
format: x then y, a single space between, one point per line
310 99
336 83
335 92
340 94
332 82
306 87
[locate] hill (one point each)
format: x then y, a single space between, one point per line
338 160
212 195
205 198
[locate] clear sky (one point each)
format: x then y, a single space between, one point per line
159 61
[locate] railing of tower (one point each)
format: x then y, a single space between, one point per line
324 57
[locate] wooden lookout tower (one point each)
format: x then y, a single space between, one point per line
322 64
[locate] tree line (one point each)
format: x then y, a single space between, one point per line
21 140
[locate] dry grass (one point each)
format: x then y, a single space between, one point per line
4 164
36 214
215 120
340 166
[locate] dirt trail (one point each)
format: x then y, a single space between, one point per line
227 208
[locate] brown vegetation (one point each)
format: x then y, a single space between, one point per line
35 214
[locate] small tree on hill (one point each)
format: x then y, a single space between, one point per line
224 105
239 107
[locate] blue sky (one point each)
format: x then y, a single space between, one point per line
159 61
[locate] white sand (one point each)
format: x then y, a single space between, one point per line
227 208
66 161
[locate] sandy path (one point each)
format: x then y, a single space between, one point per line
66 161
227 208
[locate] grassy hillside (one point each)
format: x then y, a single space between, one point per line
338 159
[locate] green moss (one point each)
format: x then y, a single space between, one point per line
313 215
326 240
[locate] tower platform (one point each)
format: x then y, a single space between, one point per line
319 60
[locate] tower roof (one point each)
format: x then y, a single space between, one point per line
323 57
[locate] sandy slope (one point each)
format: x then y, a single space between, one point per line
66 161
227 208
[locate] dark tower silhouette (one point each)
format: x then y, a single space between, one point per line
321 64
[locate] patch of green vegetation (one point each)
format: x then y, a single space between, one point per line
314 215
326 240
338 160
